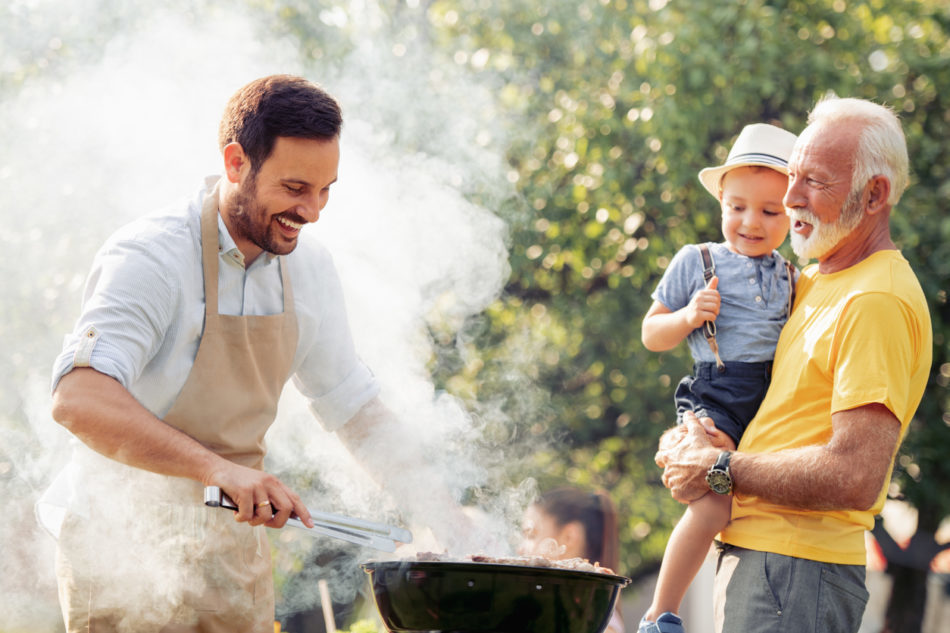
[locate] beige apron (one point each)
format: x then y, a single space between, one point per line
217 572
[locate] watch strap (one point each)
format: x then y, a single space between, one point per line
722 462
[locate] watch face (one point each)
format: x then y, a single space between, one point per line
719 481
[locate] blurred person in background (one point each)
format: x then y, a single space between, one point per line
572 522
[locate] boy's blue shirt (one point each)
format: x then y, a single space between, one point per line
754 293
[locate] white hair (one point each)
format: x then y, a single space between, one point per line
882 148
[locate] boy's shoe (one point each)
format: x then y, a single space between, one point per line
666 623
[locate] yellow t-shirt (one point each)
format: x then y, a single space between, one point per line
855 337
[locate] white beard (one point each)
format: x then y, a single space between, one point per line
825 237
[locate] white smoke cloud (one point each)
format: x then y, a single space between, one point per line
91 144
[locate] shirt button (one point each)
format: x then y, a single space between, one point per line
758 299
751 280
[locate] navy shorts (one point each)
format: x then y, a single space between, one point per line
730 397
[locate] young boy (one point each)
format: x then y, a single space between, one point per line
729 301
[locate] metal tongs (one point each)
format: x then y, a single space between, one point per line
367 533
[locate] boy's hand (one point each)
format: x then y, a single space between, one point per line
716 437
704 306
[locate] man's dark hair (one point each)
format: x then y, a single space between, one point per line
278 105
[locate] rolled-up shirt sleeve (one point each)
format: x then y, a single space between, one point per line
126 308
330 373
336 407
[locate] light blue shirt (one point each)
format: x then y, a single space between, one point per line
754 295
143 313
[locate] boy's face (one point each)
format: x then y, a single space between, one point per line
753 218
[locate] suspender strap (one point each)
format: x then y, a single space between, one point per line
709 327
709 271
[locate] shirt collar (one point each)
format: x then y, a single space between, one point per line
767 261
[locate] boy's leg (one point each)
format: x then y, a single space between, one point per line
686 550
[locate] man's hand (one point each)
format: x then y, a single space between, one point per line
98 410
262 498
686 453
668 441
673 436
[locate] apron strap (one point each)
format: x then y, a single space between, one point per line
209 249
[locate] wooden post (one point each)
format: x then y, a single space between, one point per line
327 605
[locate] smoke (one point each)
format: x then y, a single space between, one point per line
111 112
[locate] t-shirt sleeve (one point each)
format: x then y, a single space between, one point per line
876 343
683 277
127 306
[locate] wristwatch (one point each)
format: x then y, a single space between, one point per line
718 477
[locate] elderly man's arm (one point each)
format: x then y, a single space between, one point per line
846 473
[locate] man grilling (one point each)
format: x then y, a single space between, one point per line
192 322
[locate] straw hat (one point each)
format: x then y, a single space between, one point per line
758 144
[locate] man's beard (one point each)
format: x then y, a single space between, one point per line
251 220
825 237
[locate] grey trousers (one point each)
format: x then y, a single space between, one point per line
762 592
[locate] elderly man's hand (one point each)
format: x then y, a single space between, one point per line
670 439
685 454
